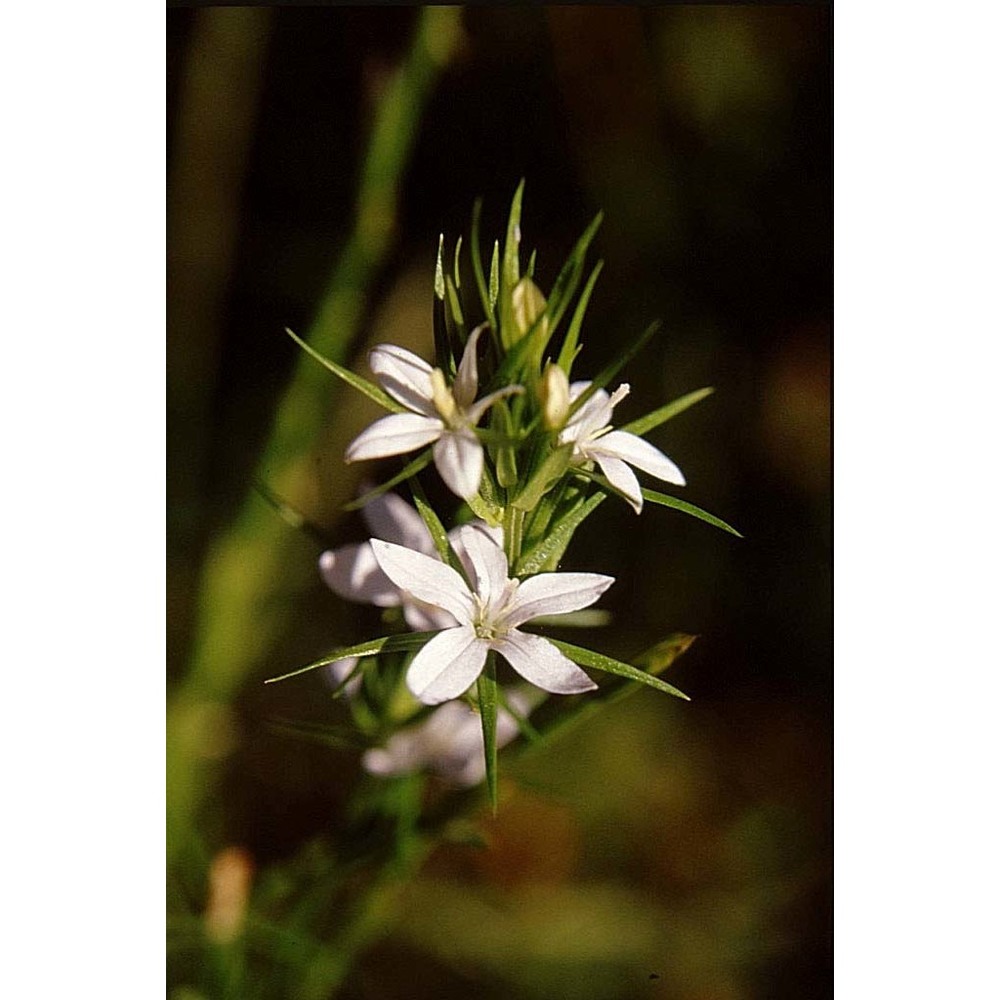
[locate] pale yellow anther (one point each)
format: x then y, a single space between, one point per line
441 396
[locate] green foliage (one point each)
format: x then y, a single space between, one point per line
487 690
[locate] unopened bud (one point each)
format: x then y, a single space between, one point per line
553 390
529 304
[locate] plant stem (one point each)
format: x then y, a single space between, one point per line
255 570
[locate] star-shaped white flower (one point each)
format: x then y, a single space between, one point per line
614 451
438 414
353 572
448 742
487 616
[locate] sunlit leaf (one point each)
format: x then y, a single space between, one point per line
569 348
437 531
487 299
386 644
510 270
666 412
420 462
555 542
487 689
610 371
598 661
370 389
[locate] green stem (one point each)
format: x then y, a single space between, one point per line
255 570
513 533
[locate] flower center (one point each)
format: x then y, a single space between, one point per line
486 622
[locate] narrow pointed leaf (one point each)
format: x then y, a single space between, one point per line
439 270
453 312
554 544
569 277
544 477
666 412
587 618
495 274
689 508
458 262
531 264
420 462
290 515
598 661
385 644
338 737
487 688
569 348
488 504
436 529
486 299
506 461
510 270
608 373
370 389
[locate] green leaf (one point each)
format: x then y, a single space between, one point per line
370 389
666 412
386 644
440 537
511 270
548 473
554 544
506 460
487 688
569 277
486 299
458 260
689 508
453 312
495 274
338 737
531 264
587 618
598 661
420 462
569 348
439 270
291 515
488 503
609 372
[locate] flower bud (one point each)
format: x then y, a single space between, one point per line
529 303
553 391
442 397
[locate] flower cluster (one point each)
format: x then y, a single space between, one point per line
530 455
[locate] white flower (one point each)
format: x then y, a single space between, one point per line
353 572
614 451
439 415
449 742
487 616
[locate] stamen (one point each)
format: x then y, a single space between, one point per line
441 396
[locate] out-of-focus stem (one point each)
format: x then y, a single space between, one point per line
239 614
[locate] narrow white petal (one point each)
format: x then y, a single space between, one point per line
406 377
354 574
458 456
394 435
634 450
392 519
426 578
475 413
467 380
542 664
621 477
447 665
424 618
555 594
592 417
487 558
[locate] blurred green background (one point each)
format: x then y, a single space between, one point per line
665 849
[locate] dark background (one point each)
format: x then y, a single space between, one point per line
704 134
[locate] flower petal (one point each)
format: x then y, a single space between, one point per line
426 578
555 594
487 558
394 435
541 663
475 413
405 376
424 618
447 665
458 456
392 519
634 450
353 572
621 477
467 380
